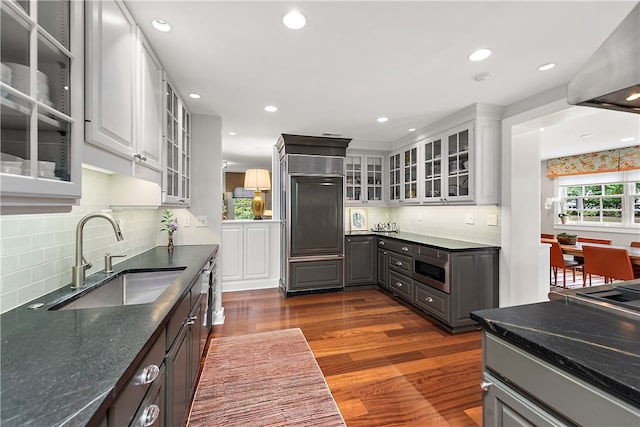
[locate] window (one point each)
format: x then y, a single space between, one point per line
609 199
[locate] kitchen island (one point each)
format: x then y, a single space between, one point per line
560 363
67 367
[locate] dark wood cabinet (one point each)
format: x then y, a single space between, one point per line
360 254
382 267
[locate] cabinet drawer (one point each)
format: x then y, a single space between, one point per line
400 263
400 284
149 372
152 410
177 319
562 393
395 246
432 301
433 253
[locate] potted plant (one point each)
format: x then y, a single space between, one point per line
564 217
566 238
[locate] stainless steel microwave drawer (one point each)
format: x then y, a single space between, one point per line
395 246
400 262
432 301
400 285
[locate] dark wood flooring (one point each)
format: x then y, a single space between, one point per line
385 364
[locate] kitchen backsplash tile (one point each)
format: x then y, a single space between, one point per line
37 251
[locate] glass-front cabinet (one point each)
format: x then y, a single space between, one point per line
403 175
41 100
447 166
176 185
364 179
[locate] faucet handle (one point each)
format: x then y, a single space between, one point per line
108 265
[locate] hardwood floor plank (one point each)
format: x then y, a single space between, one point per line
385 364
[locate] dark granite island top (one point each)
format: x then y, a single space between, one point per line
431 241
66 367
598 346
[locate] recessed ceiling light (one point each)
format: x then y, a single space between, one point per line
633 96
161 25
412 130
294 20
480 54
271 108
232 133
382 119
546 67
194 95
627 139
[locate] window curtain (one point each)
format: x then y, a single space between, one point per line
620 159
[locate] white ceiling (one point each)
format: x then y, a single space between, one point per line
356 61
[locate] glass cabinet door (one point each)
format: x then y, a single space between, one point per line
185 172
433 168
394 177
35 92
374 178
354 178
177 171
458 164
411 174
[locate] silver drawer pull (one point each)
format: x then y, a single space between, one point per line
428 299
399 263
485 385
405 249
381 242
150 415
147 375
398 284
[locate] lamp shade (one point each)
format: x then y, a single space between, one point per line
257 179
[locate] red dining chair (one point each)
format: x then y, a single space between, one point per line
612 263
547 236
557 261
591 240
635 244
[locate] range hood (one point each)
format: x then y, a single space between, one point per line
611 77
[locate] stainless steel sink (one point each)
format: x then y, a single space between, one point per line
125 289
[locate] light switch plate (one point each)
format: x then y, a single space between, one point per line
468 219
492 219
186 221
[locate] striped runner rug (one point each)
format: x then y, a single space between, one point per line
263 379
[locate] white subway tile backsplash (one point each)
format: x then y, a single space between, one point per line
37 251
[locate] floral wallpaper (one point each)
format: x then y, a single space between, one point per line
620 159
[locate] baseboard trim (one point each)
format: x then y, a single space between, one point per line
249 285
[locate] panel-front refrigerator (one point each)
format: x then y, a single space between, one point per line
312 214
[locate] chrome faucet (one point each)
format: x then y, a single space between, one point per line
81 265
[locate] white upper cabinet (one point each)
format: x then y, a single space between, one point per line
124 100
41 91
403 175
111 77
446 166
150 110
176 182
365 179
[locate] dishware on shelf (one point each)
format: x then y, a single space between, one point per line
5 157
10 169
20 80
5 77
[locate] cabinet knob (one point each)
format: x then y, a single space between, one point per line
429 299
140 157
148 374
381 242
405 249
485 385
349 240
398 284
399 263
150 415
192 320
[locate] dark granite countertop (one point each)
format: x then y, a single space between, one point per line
595 345
434 242
66 367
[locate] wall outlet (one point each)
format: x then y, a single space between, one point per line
492 219
468 219
202 221
419 216
186 221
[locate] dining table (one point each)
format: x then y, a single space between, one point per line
576 249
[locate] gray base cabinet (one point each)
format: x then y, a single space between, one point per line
472 276
521 389
360 254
